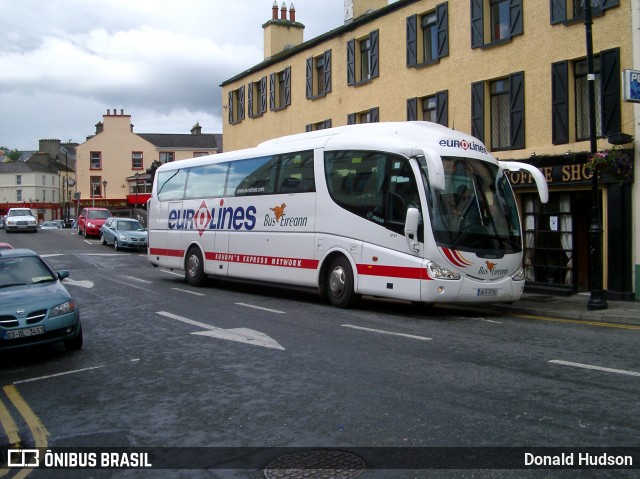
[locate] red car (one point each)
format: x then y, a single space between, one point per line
91 220
5 246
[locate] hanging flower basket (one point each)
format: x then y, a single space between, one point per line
614 163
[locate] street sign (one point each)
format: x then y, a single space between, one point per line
631 79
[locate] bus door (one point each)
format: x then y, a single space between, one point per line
173 247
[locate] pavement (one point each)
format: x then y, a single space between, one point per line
574 307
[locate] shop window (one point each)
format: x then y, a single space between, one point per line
318 75
362 59
506 111
495 21
280 89
236 105
433 108
570 99
257 101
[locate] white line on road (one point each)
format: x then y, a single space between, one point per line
261 308
190 292
391 333
596 368
58 374
171 272
51 255
138 279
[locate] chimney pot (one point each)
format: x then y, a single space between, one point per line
122 111
108 112
292 13
274 10
283 12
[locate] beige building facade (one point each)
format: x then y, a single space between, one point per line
512 73
112 164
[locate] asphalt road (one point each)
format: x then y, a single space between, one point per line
243 366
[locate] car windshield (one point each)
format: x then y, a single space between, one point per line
129 226
98 214
23 270
20 213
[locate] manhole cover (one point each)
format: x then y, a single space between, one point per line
317 464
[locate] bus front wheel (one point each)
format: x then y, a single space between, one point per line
340 283
194 268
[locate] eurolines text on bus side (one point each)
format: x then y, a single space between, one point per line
464 144
222 218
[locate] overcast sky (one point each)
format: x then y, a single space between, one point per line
63 63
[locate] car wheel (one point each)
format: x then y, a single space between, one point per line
339 282
76 343
102 240
194 267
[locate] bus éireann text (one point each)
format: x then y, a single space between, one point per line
407 210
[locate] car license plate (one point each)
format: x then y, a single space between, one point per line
487 292
24 333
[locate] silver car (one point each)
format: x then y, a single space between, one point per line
21 219
123 233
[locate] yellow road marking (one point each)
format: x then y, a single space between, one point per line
36 427
579 321
9 425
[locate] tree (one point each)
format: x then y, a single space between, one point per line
12 154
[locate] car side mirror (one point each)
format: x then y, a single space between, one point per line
63 274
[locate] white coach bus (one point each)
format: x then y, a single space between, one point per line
408 210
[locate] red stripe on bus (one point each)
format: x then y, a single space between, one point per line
260 260
406 272
166 252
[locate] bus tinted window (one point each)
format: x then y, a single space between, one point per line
171 185
207 181
255 176
296 173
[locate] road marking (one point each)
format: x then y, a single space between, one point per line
261 308
190 292
578 321
9 425
240 335
38 431
51 255
138 279
83 283
57 374
173 273
391 333
596 368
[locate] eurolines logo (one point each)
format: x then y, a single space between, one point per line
464 144
216 218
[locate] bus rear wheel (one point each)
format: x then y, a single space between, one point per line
339 283
194 267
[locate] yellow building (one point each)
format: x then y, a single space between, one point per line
510 72
112 164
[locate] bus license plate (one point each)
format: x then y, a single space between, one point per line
487 292
24 333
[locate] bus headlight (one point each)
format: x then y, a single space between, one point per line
519 276
438 272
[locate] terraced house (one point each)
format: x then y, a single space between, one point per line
513 73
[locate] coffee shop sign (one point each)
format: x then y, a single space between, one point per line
558 174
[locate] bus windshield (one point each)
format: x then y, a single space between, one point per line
476 211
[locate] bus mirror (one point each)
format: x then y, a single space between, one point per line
537 175
411 225
435 169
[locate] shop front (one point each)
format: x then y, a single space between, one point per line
556 234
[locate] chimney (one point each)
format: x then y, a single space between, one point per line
356 8
108 112
281 33
196 129
100 126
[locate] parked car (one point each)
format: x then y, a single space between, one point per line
123 233
91 219
50 225
35 307
21 219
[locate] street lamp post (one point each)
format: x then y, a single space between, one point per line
137 177
104 184
598 298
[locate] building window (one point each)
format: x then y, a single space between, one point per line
236 105
167 157
198 154
18 195
362 59
318 75
428 36
565 99
44 196
433 108
506 112
322 125
280 89
257 101
503 20
96 186
136 160
96 160
569 11
365 116
18 180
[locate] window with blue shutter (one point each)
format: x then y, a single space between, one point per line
504 21
427 36
560 103
363 59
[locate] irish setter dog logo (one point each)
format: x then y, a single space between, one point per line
279 211
490 265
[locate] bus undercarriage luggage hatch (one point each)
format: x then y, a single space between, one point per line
541 182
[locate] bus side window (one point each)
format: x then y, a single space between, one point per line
207 181
255 176
296 173
171 185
